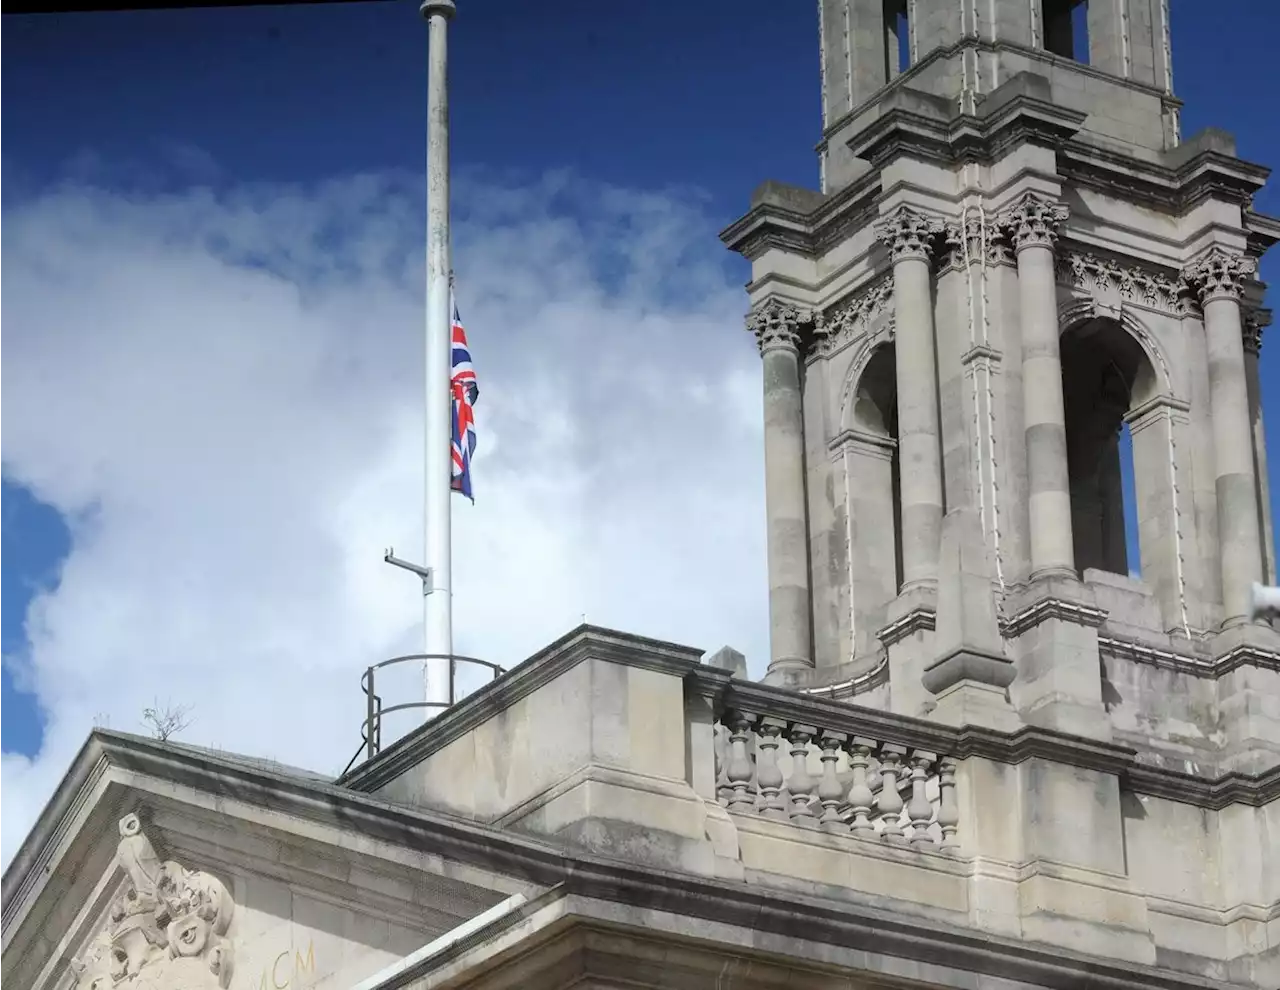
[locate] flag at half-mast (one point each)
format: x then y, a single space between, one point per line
464 391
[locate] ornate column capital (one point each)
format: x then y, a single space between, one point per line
1218 274
1252 324
1033 221
908 234
981 242
777 323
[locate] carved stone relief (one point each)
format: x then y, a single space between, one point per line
978 240
1033 221
854 315
165 931
1138 285
1252 324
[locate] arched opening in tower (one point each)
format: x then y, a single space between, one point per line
1106 376
875 414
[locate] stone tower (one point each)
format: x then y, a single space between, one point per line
1012 255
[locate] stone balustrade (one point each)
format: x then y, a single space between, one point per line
821 778
1035 835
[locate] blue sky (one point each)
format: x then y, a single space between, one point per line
691 103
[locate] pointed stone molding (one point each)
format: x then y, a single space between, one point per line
971 674
165 931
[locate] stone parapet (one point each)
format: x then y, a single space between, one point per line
646 755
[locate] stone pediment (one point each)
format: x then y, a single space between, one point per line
162 867
166 929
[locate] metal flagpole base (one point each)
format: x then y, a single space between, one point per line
445 8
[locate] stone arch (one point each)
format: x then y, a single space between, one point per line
1117 388
1077 311
863 350
866 450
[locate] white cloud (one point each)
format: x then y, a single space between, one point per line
222 393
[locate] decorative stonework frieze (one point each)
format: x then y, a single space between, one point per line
1033 221
1095 274
1252 324
1219 274
908 234
778 323
165 931
854 315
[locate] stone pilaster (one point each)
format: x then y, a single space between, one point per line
910 237
1255 321
777 326
1031 225
1217 277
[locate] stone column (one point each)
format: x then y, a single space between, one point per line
777 325
910 237
1218 276
1032 227
1254 323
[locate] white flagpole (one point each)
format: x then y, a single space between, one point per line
438 601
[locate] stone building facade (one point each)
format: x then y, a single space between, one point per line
1013 256
985 757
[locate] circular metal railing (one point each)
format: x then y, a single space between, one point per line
375 710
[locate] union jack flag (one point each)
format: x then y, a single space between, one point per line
465 392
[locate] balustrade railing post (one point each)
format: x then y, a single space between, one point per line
889 802
801 783
861 798
919 810
830 790
948 806
866 803
739 770
768 774
720 746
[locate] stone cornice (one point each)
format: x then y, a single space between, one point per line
1155 656
1162 403
1262 230
776 224
1191 661
853 686
863 441
1169 188
983 354
579 874
921 618
1047 609
1032 53
1252 790
926 128
584 643
917 733
32 861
